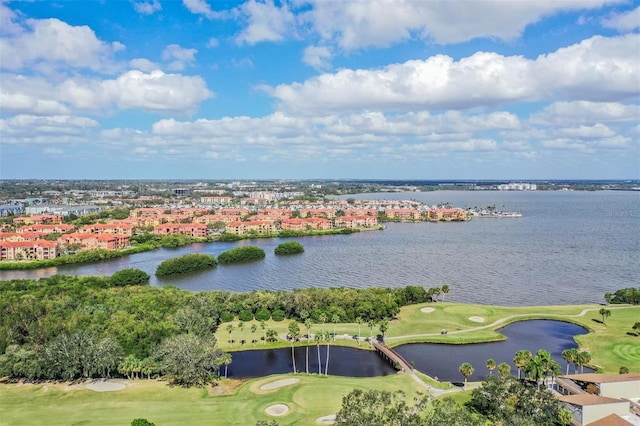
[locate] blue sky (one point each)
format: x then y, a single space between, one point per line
203 89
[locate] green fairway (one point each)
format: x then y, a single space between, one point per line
309 399
609 344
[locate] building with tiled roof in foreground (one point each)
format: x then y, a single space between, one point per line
601 399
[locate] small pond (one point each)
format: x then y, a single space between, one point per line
439 360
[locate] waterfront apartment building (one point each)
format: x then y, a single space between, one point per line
189 229
28 250
258 227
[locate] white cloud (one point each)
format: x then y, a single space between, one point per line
357 24
588 132
267 22
143 64
58 44
597 69
179 56
200 7
317 56
624 22
213 42
26 129
147 7
154 91
564 114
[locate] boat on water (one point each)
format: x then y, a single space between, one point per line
499 214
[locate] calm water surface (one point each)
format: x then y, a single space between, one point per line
436 360
570 247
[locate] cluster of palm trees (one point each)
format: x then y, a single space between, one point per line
253 328
578 358
321 337
434 292
536 367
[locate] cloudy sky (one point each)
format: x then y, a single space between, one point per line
205 89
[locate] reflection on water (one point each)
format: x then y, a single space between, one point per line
436 360
443 361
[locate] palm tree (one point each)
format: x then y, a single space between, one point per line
504 369
606 313
372 324
583 359
436 293
445 290
263 326
226 360
327 337
467 370
491 365
538 366
359 322
569 355
241 327
307 324
555 370
383 326
229 330
335 319
318 337
254 327
294 333
521 359
323 319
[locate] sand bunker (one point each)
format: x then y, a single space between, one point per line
279 383
105 386
427 310
327 420
476 319
277 410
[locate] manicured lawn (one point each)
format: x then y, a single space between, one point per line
309 399
610 345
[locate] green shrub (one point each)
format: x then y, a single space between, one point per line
229 237
245 315
278 315
263 314
242 254
186 263
290 247
130 276
226 316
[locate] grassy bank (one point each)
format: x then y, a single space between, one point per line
312 397
610 344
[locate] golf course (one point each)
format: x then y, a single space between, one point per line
310 399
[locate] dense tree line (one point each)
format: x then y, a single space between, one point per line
188 263
626 295
70 327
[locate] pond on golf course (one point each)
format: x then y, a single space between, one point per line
436 360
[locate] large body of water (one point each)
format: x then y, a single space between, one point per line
569 247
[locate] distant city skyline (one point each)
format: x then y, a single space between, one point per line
320 89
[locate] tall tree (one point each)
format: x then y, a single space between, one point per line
226 360
327 339
383 326
491 365
467 370
335 319
241 328
359 321
605 313
445 290
254 328
569 355
521 359
318 338
294 334
263 326
307 324
583 358
504 369
372 323
229 330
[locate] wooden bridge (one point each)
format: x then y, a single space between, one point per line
393 357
